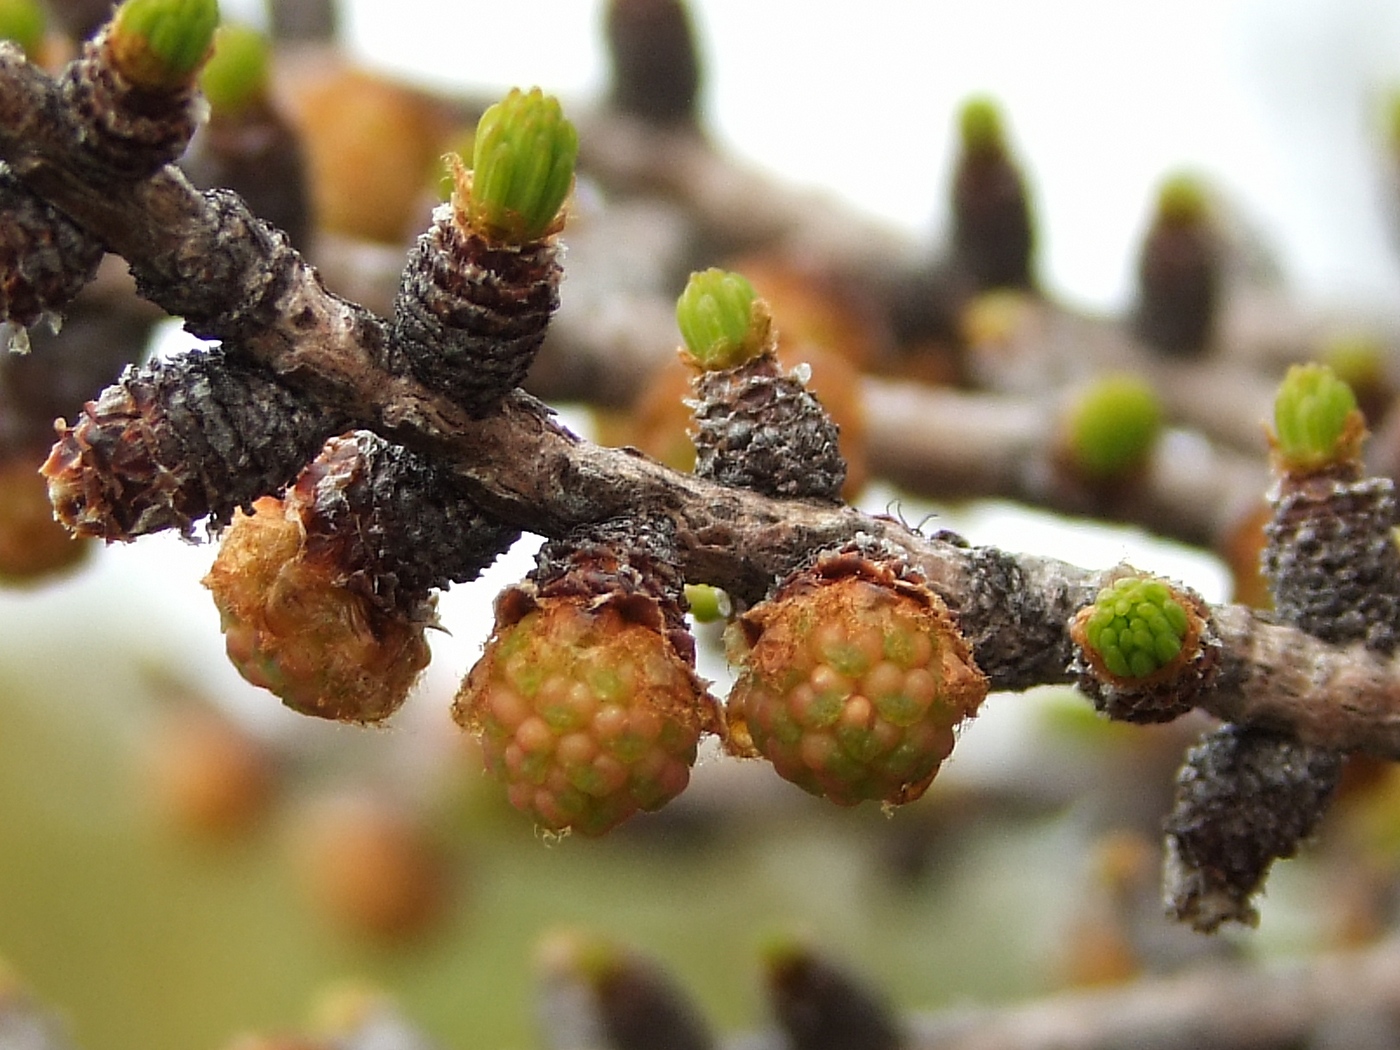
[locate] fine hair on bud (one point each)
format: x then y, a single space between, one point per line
325 595
291 626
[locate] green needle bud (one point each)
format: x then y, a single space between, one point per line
522 168
23 22
1182 201
1113 427
722 320
1316 421
160 44
980 126
1137 626
1357 359
707 604
236 75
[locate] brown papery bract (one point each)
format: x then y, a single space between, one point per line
292 627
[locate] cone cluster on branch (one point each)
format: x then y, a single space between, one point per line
862 646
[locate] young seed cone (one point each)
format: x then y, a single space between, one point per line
586 700
852 679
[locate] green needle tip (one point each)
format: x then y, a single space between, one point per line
721 320
1316 421
160 44
523 159
980 125
1113 426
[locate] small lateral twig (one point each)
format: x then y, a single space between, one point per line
1224 1007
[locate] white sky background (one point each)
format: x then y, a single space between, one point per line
1277 101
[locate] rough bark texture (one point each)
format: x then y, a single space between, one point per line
126 132
398 525
1245 798
470 316
756 428
1169 692
1249 795
45 259
178 441
1333 561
